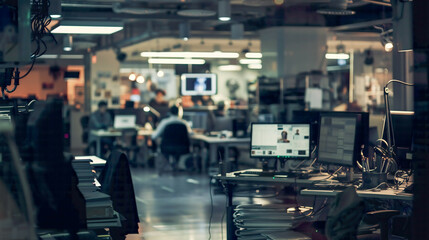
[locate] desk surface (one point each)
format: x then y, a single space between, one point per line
277 179
214 139
118 133
95 161
382 194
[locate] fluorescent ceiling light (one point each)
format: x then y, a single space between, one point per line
48 56
337 56
255 66
75 56
229 68
176 61
190 54
253 55
224 10
250 61
77 27
55 16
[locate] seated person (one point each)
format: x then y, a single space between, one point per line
283 139
173 118
99 120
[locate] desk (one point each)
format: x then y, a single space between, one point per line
390 194
214 143
99 134
95 161
230 180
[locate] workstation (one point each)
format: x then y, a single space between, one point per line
226 119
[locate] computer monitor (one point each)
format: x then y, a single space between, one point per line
198 84
402 139
291 141
196 120
124 121
339 138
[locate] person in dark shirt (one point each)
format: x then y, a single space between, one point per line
101 120
159 104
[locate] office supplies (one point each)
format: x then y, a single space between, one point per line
198 84
124 121
288 141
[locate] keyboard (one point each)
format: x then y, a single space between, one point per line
333 187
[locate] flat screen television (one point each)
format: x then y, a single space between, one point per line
198 84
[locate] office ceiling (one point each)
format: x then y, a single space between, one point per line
147 20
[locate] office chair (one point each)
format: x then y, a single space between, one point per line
175 143
128 144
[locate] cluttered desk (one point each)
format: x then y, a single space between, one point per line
343 162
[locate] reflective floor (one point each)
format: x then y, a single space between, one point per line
176 207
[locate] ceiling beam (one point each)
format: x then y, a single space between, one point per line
361 25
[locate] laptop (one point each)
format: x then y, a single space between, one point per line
124 121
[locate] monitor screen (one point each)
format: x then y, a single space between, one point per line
198 84
338 138
196 120
402 125
124 121
280 140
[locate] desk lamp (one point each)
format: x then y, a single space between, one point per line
148 108
390 132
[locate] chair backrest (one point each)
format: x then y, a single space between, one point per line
175 139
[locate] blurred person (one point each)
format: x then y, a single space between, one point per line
101 120
173 118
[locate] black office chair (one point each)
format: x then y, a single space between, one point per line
175 143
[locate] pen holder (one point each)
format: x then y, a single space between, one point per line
374 179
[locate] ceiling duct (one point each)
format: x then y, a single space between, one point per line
336 7
132 8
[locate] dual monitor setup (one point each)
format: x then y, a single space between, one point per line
339 137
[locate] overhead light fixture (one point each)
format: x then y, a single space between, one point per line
255 66
337 56
132 77
87 27
176 61
48 56
160 73
388 47
253 55
55 9
140 79
230 68
68 43
184 30
216 54
71 56
224 10
250 61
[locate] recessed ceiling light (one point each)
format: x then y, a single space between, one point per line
255 66
230 68
217 54
253 55
176 61
337 56
89 27
250 61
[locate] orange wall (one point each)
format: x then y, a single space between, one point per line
32 84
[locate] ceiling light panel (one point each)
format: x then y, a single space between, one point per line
88 27
190 54
176 61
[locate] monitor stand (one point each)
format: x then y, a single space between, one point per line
350 176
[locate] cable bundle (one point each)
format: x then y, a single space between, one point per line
254 220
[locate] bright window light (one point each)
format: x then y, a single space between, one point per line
176 61
337 56
230 68
253 55
79 27
216 54
255 66
250 61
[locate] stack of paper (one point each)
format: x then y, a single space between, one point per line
252 221
98 204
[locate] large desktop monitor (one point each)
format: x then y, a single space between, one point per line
291 141
198 84
340 138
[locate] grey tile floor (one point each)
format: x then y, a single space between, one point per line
176 207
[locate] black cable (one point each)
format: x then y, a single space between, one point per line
211 209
